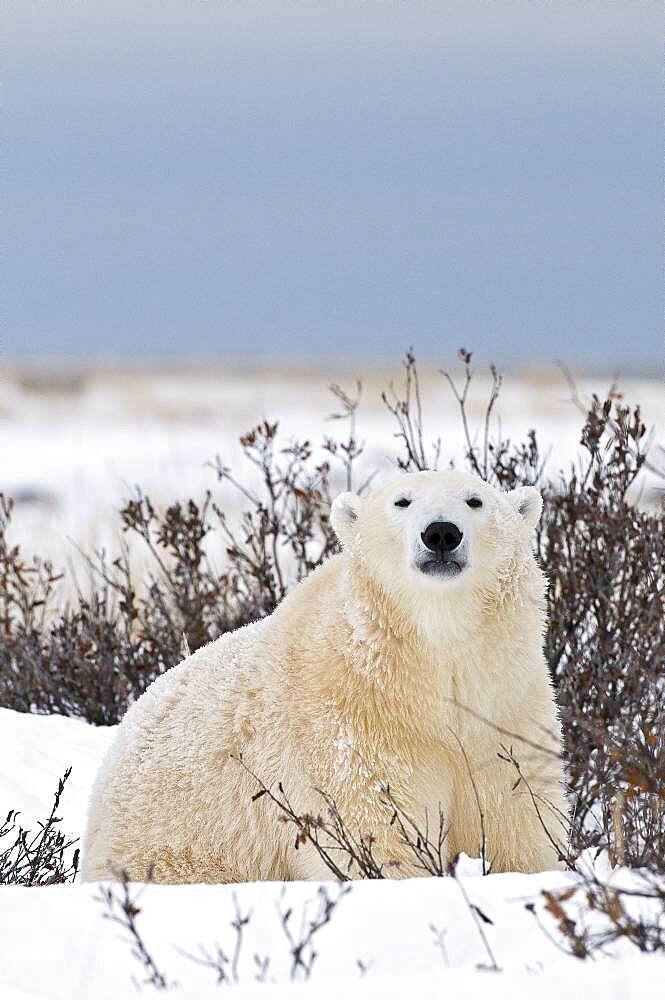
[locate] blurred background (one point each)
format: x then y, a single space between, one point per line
213 209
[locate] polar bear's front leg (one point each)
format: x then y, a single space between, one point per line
528 830
515 816
529 837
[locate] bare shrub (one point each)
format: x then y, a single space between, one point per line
591 916
93 659
43 857
605 644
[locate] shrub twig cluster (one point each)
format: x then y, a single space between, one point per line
120 905
591 915
44 857
349 853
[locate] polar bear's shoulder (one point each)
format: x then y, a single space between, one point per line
202 676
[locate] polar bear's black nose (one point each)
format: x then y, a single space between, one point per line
441 536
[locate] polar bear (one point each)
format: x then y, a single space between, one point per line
408 658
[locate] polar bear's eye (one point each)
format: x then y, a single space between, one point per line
474 502
404 502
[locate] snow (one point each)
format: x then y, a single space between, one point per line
57 944
36 750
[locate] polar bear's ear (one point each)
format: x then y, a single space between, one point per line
528 502
344 514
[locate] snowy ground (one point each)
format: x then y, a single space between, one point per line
56 943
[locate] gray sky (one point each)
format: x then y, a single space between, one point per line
323 180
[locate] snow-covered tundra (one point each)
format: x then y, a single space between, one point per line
409 659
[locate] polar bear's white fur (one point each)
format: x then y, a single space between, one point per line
390 663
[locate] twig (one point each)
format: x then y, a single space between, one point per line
478 918
301 944
122 909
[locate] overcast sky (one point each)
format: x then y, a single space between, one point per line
313 180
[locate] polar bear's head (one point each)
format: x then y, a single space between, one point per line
440 532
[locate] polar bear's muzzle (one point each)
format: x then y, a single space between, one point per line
445 553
